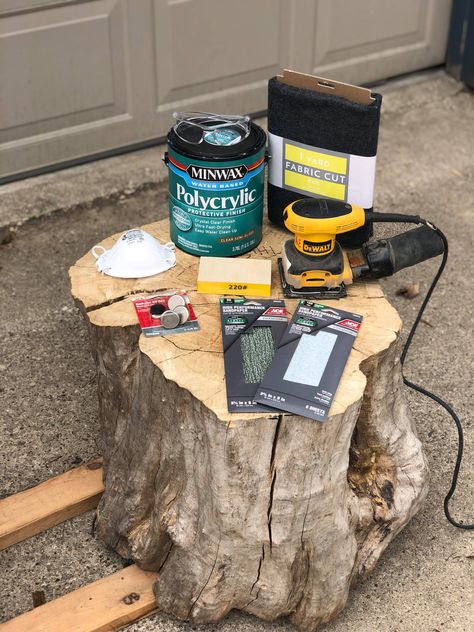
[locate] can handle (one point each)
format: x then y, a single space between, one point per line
209 122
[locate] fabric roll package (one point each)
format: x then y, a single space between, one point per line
323 139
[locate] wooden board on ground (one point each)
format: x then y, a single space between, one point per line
105 605
36 509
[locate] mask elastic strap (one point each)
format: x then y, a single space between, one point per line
93 250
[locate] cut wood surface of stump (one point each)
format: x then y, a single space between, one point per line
270 513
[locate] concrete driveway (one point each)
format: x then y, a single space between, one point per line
425 581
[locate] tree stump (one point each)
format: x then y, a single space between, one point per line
269 513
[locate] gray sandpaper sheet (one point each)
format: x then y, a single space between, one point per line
307 366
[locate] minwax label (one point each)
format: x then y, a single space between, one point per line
318 172
216 208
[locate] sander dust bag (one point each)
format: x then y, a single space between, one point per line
322 143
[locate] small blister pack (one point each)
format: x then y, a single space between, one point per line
166 314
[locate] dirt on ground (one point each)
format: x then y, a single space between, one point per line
48 403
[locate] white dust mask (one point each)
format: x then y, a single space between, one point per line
135 254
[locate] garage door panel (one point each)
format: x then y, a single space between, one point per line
65 69
64 86
208 43
368 26
87 76
24 6
372 39
215 47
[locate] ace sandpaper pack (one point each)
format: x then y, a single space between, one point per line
251 331
323 139
308 364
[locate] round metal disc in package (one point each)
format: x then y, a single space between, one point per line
175 301
170 319
183 313
157 310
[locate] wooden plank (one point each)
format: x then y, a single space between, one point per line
104 605
27 513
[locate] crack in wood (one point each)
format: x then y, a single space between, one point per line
122 297
273 474
269 511
212 395
252 600
166 557
262 557
226 434
175 357
122 437
307 507
305 581
134 292
409 479
187 348
208 579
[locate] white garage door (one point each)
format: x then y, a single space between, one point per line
80 77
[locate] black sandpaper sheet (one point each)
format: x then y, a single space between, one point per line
323 121
251 332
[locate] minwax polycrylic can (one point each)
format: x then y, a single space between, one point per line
216 179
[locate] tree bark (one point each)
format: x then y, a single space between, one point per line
272 514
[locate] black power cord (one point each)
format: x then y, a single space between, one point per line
414 219
435 398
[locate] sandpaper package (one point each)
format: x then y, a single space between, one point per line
323 139
251 331
310 359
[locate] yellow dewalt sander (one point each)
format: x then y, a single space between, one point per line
314 265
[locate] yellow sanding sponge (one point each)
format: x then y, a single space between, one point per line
221 275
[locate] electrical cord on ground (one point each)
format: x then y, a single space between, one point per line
454 481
